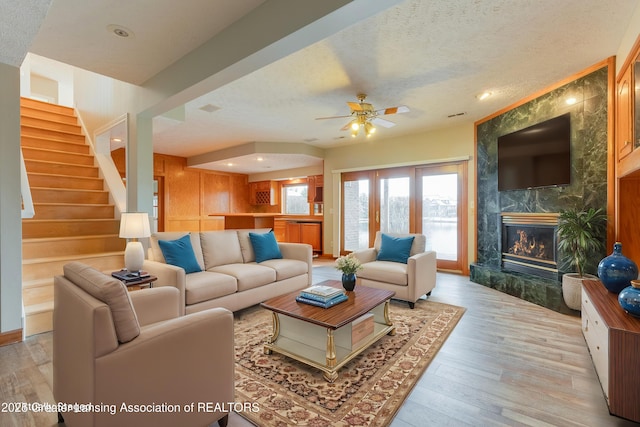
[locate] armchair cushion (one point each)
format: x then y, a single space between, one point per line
180 253
395 249
111 292
265 246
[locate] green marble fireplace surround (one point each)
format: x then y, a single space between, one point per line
588 182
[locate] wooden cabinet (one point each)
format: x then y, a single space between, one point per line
613 338
264 193
315 190
305 232
625 112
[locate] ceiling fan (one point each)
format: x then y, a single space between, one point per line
365 117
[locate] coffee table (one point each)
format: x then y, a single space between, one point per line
322 337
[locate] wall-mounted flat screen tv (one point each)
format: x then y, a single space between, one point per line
537 156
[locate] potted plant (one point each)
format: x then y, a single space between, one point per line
580 234
349 265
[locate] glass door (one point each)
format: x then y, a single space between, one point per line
442 198
393 201
357 208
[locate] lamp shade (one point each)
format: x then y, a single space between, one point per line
134 225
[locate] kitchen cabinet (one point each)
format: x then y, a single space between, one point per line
315 189
304 232
264 193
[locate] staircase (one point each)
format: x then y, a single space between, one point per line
73 217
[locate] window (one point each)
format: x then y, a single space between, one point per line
295 199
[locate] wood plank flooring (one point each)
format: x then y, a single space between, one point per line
507 363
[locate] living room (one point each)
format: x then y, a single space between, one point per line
449 143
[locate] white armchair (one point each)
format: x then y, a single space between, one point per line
409 281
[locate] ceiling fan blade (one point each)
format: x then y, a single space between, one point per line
355 106
393 110
333 117
348 125
382 122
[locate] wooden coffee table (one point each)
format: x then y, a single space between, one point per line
322 337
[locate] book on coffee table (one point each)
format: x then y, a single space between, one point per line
320 291
330 303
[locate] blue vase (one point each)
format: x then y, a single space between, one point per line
629 298
348 281
617 271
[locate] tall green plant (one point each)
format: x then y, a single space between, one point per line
580 235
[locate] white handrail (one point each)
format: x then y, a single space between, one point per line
27 210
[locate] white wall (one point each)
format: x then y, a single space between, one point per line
10 203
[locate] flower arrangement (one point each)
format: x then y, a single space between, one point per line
348 264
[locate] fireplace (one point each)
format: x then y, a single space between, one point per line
529 243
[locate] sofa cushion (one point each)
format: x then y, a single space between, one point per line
385 271
248 255
395 249
155 253
207 285
180 253
249 276
265 246
111 292
287 268
220 248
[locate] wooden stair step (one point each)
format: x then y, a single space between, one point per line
40 268
46 106
54 144
33 228
67 195
52 116
38 319
65 181
70 210
43 154
71 245
37 291
52 125
58 168
58 135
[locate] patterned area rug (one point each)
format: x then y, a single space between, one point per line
369 389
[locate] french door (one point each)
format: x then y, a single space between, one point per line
428 199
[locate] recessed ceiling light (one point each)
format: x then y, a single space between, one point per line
571 101
229 164
120 31
116 139
484 95
209 108
259 159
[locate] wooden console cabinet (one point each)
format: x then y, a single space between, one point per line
613 338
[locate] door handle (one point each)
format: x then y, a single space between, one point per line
377 217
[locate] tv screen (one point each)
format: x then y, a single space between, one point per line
537 156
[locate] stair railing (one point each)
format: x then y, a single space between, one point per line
27 210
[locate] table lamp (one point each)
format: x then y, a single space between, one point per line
134 225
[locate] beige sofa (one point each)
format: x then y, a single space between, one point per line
230 277
112 348
409 281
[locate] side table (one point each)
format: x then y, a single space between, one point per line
134 282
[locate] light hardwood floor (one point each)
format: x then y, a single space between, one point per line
507 363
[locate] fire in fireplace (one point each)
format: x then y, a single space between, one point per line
529 243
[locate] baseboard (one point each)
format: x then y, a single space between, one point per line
10 337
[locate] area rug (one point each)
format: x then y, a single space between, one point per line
278 391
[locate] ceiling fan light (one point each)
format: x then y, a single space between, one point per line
354 132
355 126
369 128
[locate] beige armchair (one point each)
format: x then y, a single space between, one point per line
129 359
409 281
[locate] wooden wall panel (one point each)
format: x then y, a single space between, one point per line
216 193
629 217
191 194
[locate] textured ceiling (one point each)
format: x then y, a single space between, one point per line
432 56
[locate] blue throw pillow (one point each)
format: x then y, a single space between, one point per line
265 246
396 249
180 253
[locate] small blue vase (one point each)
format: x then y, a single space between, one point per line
629 298
617 271
348 281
